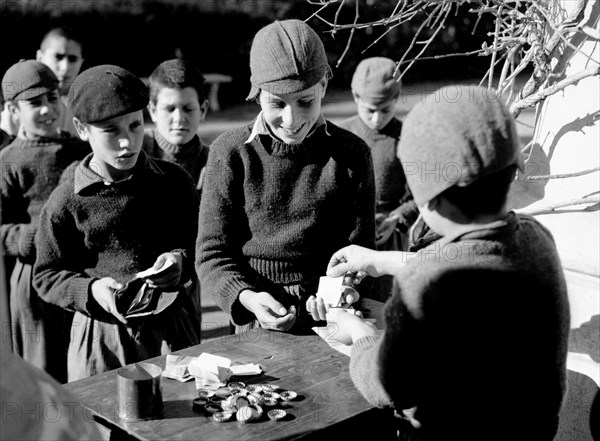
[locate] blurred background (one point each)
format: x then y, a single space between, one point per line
217 34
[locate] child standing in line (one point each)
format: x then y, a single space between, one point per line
5 138
376 90
178 104
475 340
119 213
284 191
31 168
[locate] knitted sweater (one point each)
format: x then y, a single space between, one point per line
90 229
30 171
391 190
476 337
191 156
280 211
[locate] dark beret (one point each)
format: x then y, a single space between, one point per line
28 79
104 92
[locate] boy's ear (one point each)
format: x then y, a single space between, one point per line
324 83
38 55
13 108
152 111
82 129
203 110
355 96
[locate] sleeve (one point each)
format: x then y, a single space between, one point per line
187 222
363 233
57 274
17 232
385 368
223 229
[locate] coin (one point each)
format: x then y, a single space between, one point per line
236 385
269 387
221 417
288 395
276 414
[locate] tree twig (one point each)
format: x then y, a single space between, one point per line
562 175
554 207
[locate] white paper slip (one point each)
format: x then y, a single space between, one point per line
330 290
151 272
209 368
245 369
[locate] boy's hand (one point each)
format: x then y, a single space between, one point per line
169 278
385 229
269 312
349 327
103 291
318 309
354 259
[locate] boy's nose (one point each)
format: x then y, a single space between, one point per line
288 116
44 109
124 143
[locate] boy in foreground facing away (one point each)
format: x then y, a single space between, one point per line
376 90
119 213
475 341
178 104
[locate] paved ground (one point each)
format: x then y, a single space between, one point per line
336 107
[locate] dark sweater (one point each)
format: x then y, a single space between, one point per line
476 337
89 230
30 171
391 190
191 156
280 211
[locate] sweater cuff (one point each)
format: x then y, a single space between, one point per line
80 291
230 302
364 343
27 244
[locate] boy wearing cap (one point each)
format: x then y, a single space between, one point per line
31 168
475 341
178 104
376 90
60 50
283 192
119 213
5 138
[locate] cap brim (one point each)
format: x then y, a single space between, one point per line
30 94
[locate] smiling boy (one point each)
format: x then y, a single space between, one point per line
119 213
178 104
31 168
284 190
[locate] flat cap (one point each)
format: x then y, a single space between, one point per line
454 137
376 79
286 57
104 92
28 79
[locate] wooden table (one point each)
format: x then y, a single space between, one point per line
328 404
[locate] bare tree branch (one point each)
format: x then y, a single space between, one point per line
551 208
562 176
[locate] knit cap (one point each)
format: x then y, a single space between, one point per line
28 79
104 92
286 57
454 137
376 80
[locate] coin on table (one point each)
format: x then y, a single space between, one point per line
288 395
223 392
198 404
269 387
248 413
205 393
236 385
254 388
271 395
212 408
276 414
221 417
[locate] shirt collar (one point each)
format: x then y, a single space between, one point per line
260 127
86 177
508 223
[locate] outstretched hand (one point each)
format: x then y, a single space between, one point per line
354 259
169 278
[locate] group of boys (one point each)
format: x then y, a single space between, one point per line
124 207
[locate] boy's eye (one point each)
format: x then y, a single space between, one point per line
73 58
305 103
135 124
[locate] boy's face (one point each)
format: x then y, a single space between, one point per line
38 117
375 115
291 116
116 143
177 114
64 58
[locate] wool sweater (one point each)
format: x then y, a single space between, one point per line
279 211
30 171
476 338
191 156
391 191
91 229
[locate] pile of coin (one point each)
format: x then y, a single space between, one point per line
245 402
